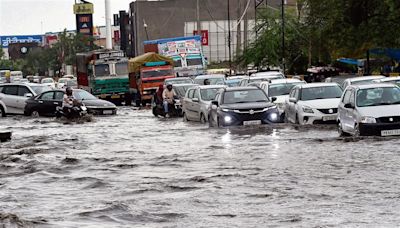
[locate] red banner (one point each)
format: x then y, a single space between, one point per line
204 36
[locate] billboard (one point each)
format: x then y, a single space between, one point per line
6 40
84 24
204 36
86 8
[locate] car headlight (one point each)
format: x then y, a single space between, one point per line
273 117
367 119
307 109
227 119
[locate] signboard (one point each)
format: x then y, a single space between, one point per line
84 24
6 40
204 36
177 48
108 55
86 8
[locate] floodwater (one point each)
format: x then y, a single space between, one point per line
135 170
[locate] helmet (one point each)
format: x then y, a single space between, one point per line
68 90
169 86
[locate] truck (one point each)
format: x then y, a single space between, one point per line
104 73
146 73
186 52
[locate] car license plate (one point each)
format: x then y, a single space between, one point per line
390 132
107 112
252 122
115 96
329 118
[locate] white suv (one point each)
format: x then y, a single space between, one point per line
14 95
372 109
313 103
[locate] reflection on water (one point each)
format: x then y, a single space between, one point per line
134 170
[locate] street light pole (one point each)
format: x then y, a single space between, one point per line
229 39
283 35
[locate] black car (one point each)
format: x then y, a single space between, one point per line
242 106
45 104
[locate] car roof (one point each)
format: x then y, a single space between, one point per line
210 86
24 84
184 84
266 73
241 88
319 84
177 78
389 79
210 76
362 78
262 77
372 85
280 81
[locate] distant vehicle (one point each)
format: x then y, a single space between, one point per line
72 83
393 80
242 106
180 89
61 82
360 80
371 109
48 82
280 88
46 103
214 79
218 71
179 80
197 101
320 74
251 79
70 76
277 74
14 95
24 80
313 103
233 82
37 79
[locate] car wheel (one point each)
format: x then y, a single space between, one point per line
35 114
2 112
357 131
185 119
340 130
202 118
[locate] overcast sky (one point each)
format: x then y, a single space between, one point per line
33 17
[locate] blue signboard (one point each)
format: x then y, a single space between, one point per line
6 40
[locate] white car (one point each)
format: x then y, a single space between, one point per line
48 82
372 109
268 73
197 101
61 82
393 80
14 95
360 80
213 79
280 89
313 103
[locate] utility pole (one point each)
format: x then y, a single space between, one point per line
108 25
198 18
238 29
229 39
283 36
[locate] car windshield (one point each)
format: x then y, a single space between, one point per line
323 92
63 80
245 96
83 95
157 73
181 90
121 68
40 89
102 70
213 81
208 94
72 83
179 81
281 89
47 80
378 96
232 82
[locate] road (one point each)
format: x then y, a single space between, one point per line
134 170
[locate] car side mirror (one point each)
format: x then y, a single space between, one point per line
273 99
195 99
293 100
29 95
348 105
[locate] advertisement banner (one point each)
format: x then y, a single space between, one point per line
83 8
84 24
6 40
204 37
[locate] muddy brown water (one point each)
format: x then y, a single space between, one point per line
134 170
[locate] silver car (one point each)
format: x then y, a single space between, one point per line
197 101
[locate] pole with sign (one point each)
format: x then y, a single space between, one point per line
84 18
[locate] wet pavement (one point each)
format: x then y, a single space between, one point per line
134 170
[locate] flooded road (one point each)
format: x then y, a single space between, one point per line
134 170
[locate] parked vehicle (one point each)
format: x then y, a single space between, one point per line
242 106
46 103
372 109
48 82
197 101
186 53
233 81
393 80
280 89
213 79
14 95
360 80
179 80
146 73
313 103
275 74
251 79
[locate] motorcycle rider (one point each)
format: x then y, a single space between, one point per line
68 101
168 98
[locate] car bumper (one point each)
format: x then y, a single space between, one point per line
377 128
309 118
237 119
102 111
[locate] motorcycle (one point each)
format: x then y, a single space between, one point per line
174 108
77 111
